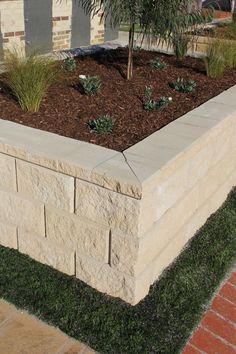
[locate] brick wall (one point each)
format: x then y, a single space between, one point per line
12 25
61 22
97 29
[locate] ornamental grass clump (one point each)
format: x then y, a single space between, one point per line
152 105
221 55
184 86
91 84
102 125
158 63
30 77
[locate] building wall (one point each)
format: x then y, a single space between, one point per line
12 26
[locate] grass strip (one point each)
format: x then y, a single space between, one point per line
161 323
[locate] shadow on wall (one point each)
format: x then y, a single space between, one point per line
50 25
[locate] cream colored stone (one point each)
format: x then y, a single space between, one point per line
175 247
22 212
115 174
175 180
7 172
106 207
105 279
77 233
8 235
124 252
48 186
46 251
165 229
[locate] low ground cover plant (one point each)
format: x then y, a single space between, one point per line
158 63
184 86
30 77
91 84
161 323
150 104
102 125
70 64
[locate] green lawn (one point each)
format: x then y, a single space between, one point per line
125 28
160 324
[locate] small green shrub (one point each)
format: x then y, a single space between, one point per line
91 84
102 125
184 86
158 63
152 105
70 64
221 55
30 77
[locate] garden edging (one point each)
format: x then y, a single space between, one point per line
116 220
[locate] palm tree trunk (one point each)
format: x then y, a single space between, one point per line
131 47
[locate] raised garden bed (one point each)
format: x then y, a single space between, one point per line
67 111
114 219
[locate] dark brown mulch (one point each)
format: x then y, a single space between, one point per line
66 110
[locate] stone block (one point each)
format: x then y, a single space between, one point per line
165 229
107 208
49 187
8 236
77 233
124 252
7 172
179 176
174 248
105 279
47 252
22 212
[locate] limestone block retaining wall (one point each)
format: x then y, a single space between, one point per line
116 220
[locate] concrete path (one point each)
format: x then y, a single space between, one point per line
216 333
21 333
